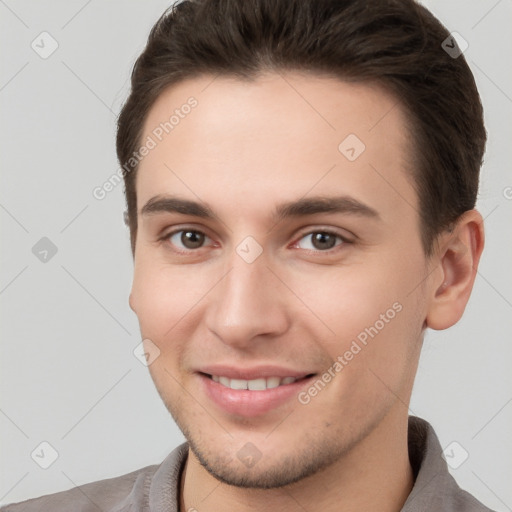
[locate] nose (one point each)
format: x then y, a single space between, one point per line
247 304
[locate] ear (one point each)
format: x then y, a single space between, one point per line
457 259
131 302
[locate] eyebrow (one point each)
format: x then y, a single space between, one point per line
299 208
324 204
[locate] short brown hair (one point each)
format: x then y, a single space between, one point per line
395 43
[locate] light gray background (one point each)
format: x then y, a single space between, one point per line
69 376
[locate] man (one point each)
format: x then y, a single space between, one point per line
300 180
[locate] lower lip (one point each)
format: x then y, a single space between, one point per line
247 403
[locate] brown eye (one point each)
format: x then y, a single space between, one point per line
187 239
323 240
320 241
192 239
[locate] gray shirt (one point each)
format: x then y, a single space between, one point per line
156 488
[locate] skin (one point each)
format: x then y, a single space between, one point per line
246 148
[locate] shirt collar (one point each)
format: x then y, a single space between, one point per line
425 454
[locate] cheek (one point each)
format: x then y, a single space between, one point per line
165 302
165 297
346 300
372 320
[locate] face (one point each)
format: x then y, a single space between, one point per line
278 236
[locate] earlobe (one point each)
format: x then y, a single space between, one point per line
131 302
458 259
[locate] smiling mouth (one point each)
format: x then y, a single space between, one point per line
258 384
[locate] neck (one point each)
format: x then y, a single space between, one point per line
374 476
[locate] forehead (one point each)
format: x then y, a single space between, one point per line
278 137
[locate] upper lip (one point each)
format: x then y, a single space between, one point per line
255 372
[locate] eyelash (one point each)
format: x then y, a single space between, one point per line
338 246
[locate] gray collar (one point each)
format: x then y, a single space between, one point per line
434 488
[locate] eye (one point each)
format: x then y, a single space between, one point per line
320 241
187 239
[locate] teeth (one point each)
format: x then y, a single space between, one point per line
273 382
224 381
238 384
254 384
